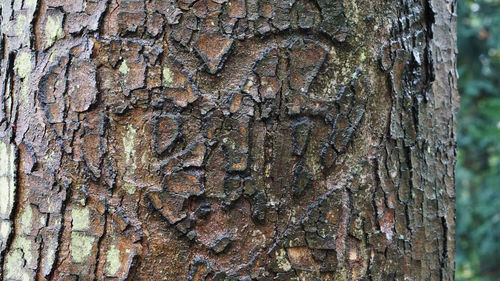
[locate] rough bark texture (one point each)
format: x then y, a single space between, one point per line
227 139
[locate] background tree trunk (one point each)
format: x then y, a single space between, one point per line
227 140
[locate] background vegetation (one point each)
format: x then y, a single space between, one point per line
478 169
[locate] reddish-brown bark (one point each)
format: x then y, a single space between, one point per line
227 140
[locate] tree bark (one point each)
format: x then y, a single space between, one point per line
227 140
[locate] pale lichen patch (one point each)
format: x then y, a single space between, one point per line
23 64
20 24
26 220
282 260
25 244
50 249
7 190
362 56
129 187
53 29
4 230
14 262
128 147
20 259
30 4
168 76
5 204
7 170
124 69
81 246
80 218
113 263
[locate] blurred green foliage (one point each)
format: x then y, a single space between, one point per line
478 167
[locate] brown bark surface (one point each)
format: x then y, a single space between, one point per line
227 139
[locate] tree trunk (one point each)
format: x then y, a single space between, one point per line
227 140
